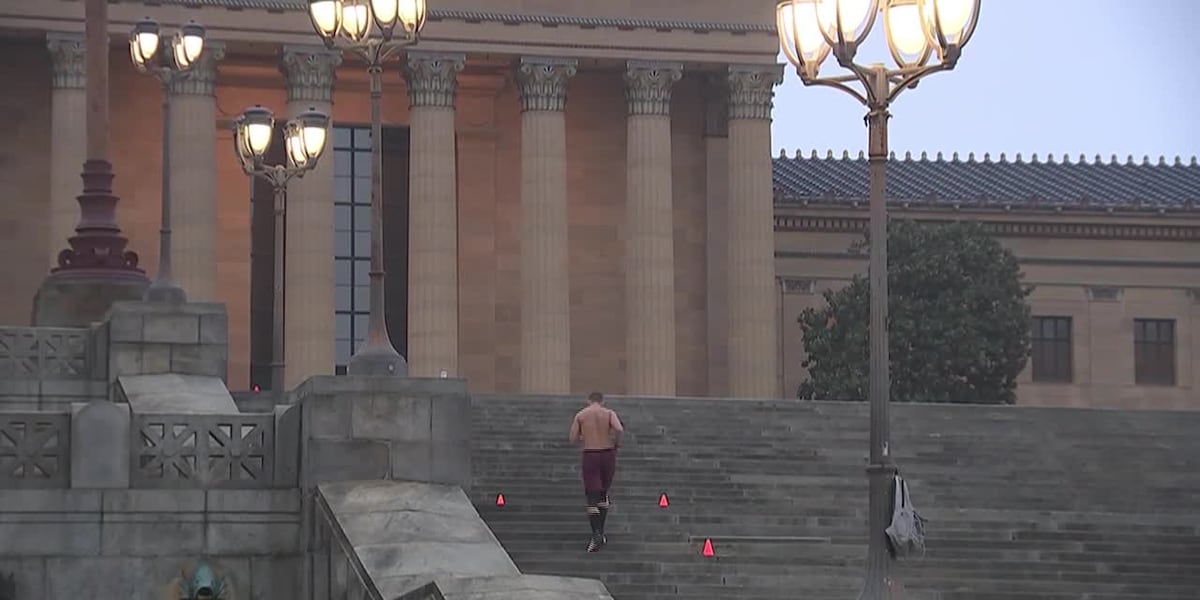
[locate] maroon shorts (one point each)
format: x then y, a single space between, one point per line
599 466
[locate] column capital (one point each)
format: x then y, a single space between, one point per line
67 60
201 79
310 72
543 82
648 86
752 89
432 77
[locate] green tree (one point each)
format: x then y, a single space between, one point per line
957 319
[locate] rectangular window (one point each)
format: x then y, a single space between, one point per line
1154 351
352 238
1052 350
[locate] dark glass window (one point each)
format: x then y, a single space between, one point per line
1154 351
351 238
1052 349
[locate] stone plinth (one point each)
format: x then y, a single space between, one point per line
72 300
174 394
145 338
361 428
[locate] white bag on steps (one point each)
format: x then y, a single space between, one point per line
907 531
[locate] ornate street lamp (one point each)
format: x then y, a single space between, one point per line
809 30
166 59
304 140
347 25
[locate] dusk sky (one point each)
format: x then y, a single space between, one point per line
1039 76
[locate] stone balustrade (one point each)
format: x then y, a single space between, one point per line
40 353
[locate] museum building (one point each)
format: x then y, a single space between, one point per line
577 196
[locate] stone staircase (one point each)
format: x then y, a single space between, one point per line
1023 503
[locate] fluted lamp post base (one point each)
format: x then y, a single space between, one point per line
165 292
378 360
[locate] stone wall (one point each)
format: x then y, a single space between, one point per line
131 544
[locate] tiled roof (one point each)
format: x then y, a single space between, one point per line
506 18
994 183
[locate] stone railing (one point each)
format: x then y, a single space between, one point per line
43 353
336 569
35 450
202 451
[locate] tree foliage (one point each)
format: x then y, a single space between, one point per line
957 319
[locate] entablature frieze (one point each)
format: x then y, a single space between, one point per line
263 25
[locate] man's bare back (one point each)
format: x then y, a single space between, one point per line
597 427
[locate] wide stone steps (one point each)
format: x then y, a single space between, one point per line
1022 503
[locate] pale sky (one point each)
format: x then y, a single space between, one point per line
1039 76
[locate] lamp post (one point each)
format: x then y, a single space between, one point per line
304 140
916 30
167 59
347 25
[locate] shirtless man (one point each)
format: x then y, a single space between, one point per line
599 430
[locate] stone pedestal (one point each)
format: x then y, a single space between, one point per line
360 428
144 338
71 299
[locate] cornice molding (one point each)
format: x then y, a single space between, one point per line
477 16
1099 231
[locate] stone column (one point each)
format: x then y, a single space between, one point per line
753 352
308 316
68 143
193 147
545 283
433 214
649 231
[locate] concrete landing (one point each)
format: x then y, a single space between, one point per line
418 540
175 394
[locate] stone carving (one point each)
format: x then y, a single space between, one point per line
68 61
1104 293
201 79
752 90
219 451
648 86
432 78
203 584
34 449
797 285
310 73
543 83
43 353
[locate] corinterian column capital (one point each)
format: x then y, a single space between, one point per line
432 77
310 72
752 90
67 60
201 78
648 86
543 83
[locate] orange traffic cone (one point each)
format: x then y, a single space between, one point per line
662 501
708 548
500 500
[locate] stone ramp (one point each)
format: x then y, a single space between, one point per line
1023 503
420 541
175 394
